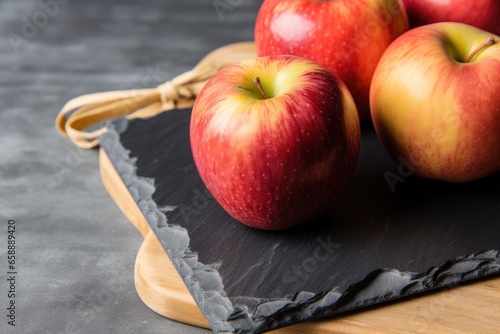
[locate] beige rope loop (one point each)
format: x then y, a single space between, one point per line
88 110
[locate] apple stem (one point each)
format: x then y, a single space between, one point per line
256 81
485 44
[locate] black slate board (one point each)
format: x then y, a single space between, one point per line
380 242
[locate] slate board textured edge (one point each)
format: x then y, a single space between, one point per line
225 315
213 302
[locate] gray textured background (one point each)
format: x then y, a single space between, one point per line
75 249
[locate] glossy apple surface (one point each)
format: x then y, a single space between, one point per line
437 108
347 36
277 161
483 14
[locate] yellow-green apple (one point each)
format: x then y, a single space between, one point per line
275 140
483 14
435 101
346 36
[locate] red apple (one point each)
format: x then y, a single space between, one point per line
275 140
483 14
435 101
346 36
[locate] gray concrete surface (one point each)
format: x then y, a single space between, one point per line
75 250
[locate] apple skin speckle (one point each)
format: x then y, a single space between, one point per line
279 162
346 36
439 115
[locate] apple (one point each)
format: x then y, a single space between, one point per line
275 140
346 36
435 101
483 14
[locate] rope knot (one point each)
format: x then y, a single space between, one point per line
169 95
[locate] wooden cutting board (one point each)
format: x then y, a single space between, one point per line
468 308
